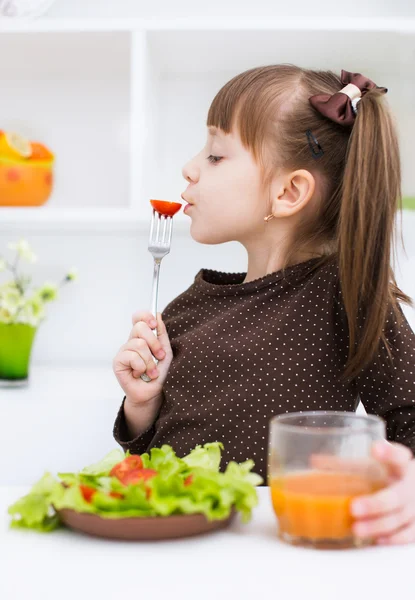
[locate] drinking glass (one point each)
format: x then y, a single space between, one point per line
319 461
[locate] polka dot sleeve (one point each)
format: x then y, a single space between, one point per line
122 436
388 389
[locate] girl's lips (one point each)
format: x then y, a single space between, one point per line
186 208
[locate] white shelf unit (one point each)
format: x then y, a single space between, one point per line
123 102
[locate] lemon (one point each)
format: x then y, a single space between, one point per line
13 145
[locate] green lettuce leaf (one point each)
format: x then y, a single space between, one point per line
104 466
35 509
207 456
163 460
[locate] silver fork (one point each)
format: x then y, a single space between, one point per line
158 245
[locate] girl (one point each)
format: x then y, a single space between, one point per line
302 168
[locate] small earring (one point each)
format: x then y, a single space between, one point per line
269 217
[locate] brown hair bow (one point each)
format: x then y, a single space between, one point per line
338 107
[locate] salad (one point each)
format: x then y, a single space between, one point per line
157 483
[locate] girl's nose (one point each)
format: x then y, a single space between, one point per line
190 172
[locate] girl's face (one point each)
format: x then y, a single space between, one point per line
224 191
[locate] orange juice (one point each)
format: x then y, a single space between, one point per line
315 505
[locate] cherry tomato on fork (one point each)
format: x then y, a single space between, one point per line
163 207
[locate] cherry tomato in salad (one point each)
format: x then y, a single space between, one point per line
116 495
168 209
87 492
138 475
125 466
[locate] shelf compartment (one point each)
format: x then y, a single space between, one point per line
71 91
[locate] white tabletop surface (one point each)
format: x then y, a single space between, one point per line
244 561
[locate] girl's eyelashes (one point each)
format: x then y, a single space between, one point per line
214 159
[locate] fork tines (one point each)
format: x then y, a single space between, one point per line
160 229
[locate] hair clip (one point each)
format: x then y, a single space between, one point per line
311 138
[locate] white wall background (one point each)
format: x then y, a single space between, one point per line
93 316
221 8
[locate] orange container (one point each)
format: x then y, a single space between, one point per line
25 182
26 171
316 505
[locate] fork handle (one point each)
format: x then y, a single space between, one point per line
154 297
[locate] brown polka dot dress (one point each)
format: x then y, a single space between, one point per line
244 352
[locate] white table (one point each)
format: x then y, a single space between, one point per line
245 561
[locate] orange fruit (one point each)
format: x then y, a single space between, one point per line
14 146
40 152
25 183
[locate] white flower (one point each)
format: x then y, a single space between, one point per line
10 297
5 315
19 303
33 312
72 274
48 292
23 250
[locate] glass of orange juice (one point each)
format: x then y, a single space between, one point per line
319 461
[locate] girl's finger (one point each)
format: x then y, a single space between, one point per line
386 525
132 360
146 316
370 468
395 456
139 348
142 331
405 536
387 500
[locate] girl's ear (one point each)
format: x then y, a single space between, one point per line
291 193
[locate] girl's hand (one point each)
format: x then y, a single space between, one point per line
136 357
388 516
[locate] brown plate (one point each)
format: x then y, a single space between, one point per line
141 528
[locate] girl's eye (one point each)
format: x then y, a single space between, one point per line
214 159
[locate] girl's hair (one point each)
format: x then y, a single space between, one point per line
358 186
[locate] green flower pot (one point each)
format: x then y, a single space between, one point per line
16 340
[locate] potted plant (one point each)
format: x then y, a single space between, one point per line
22 309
